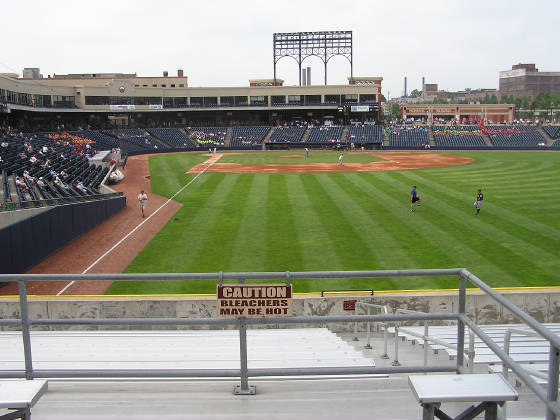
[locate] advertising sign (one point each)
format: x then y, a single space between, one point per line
122 107
359 108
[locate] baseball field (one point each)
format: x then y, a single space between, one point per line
356 220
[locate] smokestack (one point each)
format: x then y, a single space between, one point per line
179 73
303 77
423 83
308 76
165 73
405 95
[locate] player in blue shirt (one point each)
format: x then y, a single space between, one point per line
414 198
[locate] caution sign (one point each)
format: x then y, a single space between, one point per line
252 300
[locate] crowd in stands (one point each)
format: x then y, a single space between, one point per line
174 137
243 136
408 136
288 134
458 136
134 139
360 134
36 168
515 137
325 134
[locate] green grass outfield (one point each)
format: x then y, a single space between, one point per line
358 221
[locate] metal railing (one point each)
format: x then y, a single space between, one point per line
548 397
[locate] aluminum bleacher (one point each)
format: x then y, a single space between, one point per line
198 349
523 346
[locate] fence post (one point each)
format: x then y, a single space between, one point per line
396 361
368 345
385 337
552 392
25 329
244 388
461 324
425 343
355 323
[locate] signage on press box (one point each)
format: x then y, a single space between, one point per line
254 300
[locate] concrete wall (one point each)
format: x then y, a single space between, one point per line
8 218
542 304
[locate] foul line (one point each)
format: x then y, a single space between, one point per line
139 226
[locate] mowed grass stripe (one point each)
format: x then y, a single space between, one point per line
353 252
222 228
249 252
518 267
438 233
368 217
167 172
516 237
283 252
312 235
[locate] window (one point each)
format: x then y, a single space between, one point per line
144 85
163 86
154 85
332 99
367 99
63 101
211 101
259 100
226 100
241 100
181 85
277 99
312 99
351 99
197 100
136 85
295 99
97 100
172 85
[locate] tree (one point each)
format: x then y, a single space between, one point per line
383 98
504 99
395 111
493 99
415 93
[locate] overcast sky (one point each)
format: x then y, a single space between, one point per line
457 44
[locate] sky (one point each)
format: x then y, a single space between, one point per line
456 44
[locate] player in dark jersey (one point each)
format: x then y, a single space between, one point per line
479 201
414 198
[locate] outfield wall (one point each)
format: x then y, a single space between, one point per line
542 304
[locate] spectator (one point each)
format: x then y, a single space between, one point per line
20 183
